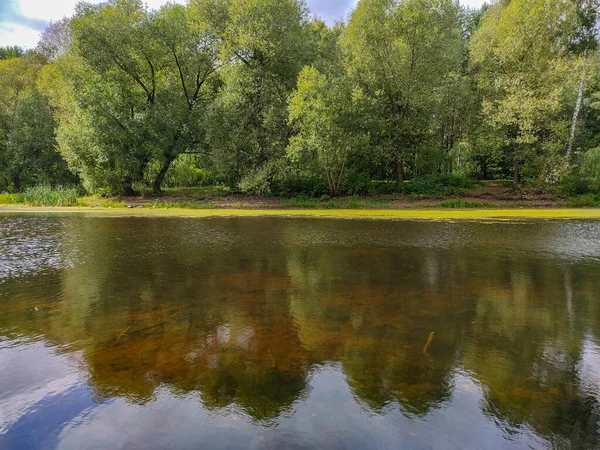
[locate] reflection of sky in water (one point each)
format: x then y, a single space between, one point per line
54 406
30 245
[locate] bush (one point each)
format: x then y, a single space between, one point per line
584 201
356 183
181 205
438 185
112 204
44 195
461 204
10 199
301 201
575 185
309 185
185 172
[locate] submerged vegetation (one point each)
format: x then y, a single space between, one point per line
406 97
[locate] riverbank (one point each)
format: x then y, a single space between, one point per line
409 214
483 196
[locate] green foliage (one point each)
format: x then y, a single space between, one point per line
181 205
405 57
584 201
256 96
306 202
438 185
462 204
132 93
11 52
302 201
27 153
321 110
10 199
267 43
109 203
45 195
186 172
590 165
526 77
574 185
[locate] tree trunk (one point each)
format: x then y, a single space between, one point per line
577 108
399 171
516 177
128 187
158 181
16 179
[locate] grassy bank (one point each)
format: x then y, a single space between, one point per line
494 196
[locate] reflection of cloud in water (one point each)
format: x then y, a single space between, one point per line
329 416
30 375
590 368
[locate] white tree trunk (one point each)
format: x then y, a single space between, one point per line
577 108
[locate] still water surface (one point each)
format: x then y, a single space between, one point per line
262 333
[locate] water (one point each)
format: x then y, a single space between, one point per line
263 333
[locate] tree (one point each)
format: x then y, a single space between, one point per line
27 145
399 53
323 110
11 52
585 42
55 40
521 63
266 44
136 85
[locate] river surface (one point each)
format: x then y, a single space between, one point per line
274 333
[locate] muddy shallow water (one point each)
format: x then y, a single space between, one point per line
297 333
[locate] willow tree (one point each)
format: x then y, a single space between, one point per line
266 43
522 65
135 84
400 54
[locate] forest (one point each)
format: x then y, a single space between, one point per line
264 98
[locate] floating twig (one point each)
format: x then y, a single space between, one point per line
429 340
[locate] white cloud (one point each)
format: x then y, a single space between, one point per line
13 34
47 10
52 10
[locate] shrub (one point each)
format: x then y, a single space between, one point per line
301 201
10 199
584 201
112 204
576 185
181 205
438 185
44 195
461 204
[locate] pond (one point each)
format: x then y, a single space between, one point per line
294 333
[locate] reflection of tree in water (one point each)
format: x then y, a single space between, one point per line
526 348
243 310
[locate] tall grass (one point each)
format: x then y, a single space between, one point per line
44 195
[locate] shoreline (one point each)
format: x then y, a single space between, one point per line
381 214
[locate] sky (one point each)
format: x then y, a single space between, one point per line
22 21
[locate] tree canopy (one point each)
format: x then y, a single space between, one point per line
263 97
